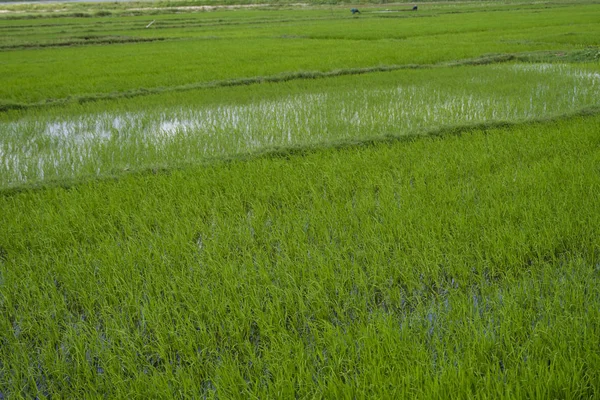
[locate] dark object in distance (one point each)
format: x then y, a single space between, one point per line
354 11
415 8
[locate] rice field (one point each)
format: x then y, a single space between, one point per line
288 201
406 102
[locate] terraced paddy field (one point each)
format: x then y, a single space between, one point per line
286 201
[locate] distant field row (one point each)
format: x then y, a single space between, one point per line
243 44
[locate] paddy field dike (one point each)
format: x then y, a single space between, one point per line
202 200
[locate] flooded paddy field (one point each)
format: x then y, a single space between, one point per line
289 201
53 146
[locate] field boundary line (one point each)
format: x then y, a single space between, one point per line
299 150
101 40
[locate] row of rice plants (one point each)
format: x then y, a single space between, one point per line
313 23
38 75
99 139
463 266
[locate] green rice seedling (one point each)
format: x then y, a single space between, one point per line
397 205
230 47
463 265
179 130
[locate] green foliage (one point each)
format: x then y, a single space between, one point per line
285 202
465 264
175 129
207 47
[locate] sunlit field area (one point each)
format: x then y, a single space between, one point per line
281 200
